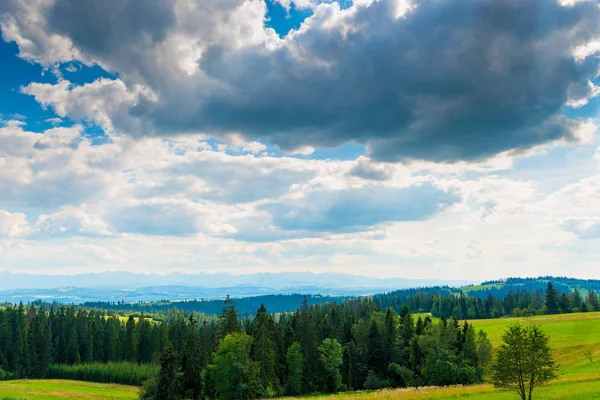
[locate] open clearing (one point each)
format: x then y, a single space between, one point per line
63 389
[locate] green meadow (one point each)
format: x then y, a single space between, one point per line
64 389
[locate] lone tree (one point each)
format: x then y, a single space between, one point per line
523 360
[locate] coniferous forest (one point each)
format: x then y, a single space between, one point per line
362 343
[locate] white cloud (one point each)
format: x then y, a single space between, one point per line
13 224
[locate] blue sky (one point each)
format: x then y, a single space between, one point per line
248 136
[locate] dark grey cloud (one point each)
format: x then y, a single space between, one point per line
367 170
454 80
351 210
451 80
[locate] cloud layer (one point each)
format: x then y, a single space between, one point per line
431 80
190 136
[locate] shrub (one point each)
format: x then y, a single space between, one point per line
373 382
400 376
148 389
124 373
5 375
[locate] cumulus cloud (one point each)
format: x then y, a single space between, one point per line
436 80
13 224
71 222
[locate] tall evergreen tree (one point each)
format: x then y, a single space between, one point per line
263 348
306 334
552 299
391 334
228 321
167 387
192 362
593 304
376 351
130 343
73 356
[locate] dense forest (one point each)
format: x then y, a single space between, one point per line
369 342
246 306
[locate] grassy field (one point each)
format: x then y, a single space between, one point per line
60 389
570 335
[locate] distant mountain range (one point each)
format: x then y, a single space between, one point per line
128 286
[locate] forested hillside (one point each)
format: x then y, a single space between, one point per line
368 342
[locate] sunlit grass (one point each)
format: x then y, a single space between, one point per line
64 389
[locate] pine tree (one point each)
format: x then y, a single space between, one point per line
419 328
376 351
111 339
576 299
263 348
192 362
391 334
228 321
306 334
593 304
73 356
167 387
130 344
347 362
144 354
552 299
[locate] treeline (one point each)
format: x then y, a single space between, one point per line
557 281
246 306
31 341
515 303
320 348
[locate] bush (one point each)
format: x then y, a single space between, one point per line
124 373
148 389
373 382
5 375
400 376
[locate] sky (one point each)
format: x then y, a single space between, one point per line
391 138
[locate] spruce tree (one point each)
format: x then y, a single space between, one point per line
263 348
376 351
228 321
130 344
73 356
391 334
167 387
552 306
593 304
306 334
192 362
